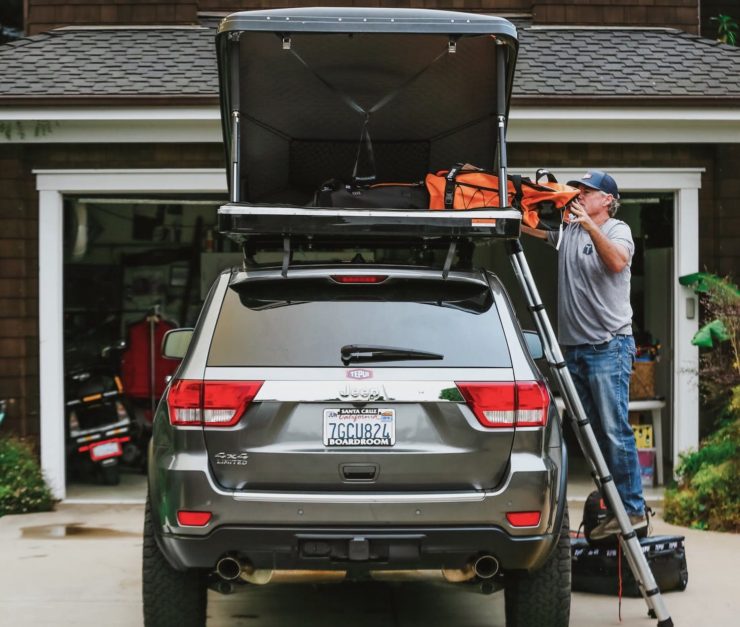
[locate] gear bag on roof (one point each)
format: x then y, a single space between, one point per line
463 187
466 187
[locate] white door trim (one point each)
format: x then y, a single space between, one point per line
52 185
684 183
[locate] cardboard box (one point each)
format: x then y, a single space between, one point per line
642 383
647 466
644 436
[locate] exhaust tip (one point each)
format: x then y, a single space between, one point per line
486 566
228 568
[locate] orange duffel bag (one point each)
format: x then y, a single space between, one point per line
466 187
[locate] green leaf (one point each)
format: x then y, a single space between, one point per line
710 333
703 282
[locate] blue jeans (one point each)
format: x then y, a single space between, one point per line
601 374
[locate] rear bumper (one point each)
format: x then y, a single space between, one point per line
403 530
357 549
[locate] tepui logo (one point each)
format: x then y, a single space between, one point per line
359 373
588 249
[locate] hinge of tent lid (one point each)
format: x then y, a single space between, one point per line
450 256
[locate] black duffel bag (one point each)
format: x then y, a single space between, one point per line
335 193
596 568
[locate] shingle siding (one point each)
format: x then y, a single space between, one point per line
680 14
491 6
44 15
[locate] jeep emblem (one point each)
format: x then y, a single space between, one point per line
359 373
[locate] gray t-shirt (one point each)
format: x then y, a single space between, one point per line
593 303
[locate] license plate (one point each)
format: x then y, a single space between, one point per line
105 450
368 427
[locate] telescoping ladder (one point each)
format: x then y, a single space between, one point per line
587 440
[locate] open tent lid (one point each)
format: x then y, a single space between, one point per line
312 94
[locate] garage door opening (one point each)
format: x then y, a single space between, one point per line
135 266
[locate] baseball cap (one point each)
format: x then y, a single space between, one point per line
596 179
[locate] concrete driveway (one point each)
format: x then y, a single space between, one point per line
80 566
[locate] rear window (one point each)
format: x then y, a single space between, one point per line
255 331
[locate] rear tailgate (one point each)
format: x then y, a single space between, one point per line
323 430
318 423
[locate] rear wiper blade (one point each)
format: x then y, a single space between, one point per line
359 353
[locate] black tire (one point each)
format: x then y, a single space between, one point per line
171 598
542 598
110 475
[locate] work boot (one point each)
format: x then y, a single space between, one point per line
610 526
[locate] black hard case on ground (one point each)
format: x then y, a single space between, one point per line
596 568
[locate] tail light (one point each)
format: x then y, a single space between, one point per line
522 404
359 278
210 403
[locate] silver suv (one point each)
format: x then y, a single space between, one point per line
365 411
352 421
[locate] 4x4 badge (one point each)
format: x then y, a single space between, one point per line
231 459
359 373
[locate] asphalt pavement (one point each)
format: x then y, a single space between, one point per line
81 566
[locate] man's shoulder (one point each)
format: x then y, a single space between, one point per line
612 225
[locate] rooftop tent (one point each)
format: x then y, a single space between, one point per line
313 93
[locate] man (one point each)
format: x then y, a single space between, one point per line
595 329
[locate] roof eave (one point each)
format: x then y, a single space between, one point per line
107 100
523 101
631 101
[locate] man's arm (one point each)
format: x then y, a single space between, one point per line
615 256
528 230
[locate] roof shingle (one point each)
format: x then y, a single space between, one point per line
553 62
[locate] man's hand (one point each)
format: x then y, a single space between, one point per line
578 215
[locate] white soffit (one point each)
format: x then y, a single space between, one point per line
619 125
646 125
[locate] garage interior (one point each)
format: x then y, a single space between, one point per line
134 260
